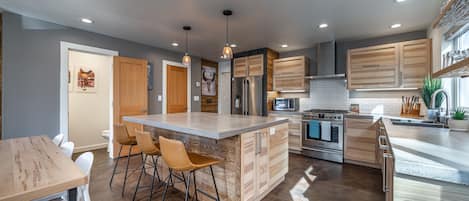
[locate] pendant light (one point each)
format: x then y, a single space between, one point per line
227 51
186 59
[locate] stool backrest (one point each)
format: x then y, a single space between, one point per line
145 142
174 154
58 139
121 133
67 148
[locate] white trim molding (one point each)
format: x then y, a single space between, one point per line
164 74
90 147
65 47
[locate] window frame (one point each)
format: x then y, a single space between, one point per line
455 92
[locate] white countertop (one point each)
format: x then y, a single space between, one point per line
209 125
434 153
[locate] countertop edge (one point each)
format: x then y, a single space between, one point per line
204 133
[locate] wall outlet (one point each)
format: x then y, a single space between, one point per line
159 98
196 98
272 131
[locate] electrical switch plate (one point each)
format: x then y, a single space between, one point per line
159 98
197 84
196 98
272 131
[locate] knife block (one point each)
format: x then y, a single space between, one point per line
410 111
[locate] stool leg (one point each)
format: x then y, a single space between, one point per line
115 166
195 187
156 166
143 160
139 178
187 186
214 183
126 170
153 179
167 184
184 179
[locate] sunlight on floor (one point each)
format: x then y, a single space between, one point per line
297 192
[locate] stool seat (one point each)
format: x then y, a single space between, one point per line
201 161
131 141
155 151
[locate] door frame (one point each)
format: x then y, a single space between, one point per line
65 47
164 74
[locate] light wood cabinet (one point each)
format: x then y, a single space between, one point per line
289 74
373 67
395 65
360 142
264 161
415 62
240 67
256 65
294 130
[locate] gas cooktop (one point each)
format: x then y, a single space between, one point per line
327 111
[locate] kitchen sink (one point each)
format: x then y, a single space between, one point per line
415 122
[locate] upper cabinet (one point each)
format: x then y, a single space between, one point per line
248 66
396 65
415 62
373 67
289 74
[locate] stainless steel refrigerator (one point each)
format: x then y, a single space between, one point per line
247 95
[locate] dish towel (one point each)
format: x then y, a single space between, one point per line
314 131
326 130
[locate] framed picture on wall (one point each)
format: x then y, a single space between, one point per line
209 81
85 79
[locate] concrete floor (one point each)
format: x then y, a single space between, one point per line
307 180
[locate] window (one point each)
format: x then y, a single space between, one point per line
461 85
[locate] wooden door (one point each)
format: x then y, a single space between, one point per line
415 62
240 67
248 164
130 94
262 159
373 67
176 89
256 65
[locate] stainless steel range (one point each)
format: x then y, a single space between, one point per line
323 134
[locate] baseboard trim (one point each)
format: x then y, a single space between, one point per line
90 147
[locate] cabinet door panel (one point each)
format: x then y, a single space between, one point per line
256 65
278 155
262 160
248 166
415 62
289 82
240 67
360 141
291 65
381 62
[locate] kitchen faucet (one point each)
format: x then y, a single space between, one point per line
446 116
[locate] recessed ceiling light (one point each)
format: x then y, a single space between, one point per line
400 1
324 25
395 26
175 44
86 20
233 45
284 45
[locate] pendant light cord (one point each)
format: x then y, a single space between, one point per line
227 30
187 42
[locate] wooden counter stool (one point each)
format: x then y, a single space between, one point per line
150 148
123 138
178 159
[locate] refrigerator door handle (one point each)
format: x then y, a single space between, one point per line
242 98
247 97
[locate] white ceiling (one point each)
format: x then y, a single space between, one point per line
254 24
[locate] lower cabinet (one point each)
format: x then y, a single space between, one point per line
360 145
264 155
294 130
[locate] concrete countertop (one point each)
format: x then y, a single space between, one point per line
209 125
433 153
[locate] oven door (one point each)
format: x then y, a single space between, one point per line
333 140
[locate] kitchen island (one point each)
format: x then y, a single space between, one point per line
253 150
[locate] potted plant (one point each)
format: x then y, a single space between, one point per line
429 87
458 122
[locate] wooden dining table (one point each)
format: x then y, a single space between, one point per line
34 167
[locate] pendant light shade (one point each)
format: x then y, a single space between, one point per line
227 51
186 59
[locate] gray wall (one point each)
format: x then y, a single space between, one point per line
31 63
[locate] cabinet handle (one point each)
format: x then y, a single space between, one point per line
258 142
386 157
382 146
371 65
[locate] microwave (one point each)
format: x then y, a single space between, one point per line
286 104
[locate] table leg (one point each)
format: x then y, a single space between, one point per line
72 194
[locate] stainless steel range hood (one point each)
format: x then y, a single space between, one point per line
326 62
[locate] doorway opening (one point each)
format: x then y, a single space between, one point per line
176 87
86 95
